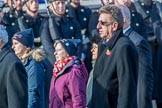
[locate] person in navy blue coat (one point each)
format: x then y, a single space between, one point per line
137 22
13 18
151 12
34 63
33 19
145 73
82 15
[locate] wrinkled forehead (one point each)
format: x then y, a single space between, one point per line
105 17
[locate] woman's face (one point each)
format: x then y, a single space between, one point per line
94 51
18 48
60 53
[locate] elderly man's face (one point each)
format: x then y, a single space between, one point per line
105 25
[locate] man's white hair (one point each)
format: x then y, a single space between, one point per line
126 12
3 34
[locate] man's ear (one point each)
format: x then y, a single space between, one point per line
124 19
115 26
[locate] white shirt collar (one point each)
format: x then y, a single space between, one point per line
125 30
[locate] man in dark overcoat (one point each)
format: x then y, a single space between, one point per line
115 71
151 11
145 73
13 78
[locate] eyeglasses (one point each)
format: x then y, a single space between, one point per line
104 23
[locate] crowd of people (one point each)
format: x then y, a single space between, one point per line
76 57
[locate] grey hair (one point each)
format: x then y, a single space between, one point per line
126 13
3 34
115 13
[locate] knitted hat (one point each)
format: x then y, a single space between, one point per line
26 37
69 46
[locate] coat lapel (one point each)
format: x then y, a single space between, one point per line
115 36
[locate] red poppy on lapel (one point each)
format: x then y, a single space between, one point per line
108 52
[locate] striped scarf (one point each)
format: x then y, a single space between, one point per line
59 66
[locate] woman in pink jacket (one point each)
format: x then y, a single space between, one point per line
68 84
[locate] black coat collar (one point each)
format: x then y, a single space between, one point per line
115 36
